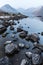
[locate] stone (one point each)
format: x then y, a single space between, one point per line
12 35
2 29
21 45
5 61
36 50
25 31
27 46
15 23
42 33
4 34
11 27
22 34
11 48
38 32
18 22
24 62
28 54
7 42
28 27
38 46
19 29
5 23
28 37
36 59
35 37
11 22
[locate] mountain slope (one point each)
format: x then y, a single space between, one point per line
21 10
9 9
39 11
28 12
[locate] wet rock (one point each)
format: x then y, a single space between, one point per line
11 27
28 37
21 45
5 23
15 23
2 29
5 61
19 29
11 48
27 46
38 32
38 46
7 42
28 27
34 37
36 59
15 39
25 31
4 34
36 50
24 62
18 22
28 54
12 35
22 34
11 22
42 33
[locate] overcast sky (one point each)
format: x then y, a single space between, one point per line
22 3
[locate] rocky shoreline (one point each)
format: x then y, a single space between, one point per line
34 57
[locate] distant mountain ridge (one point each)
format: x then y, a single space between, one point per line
9 9
28 12
21 10
39 11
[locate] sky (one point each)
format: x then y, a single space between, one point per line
22 3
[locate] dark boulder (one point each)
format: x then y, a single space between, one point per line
35 37
36 50
24 62
38 46
2 29
11 27
42 33
4 34
5 23
11 48
11 22
28 37
23 34
19 29
28 54
36 59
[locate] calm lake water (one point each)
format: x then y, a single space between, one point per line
35 26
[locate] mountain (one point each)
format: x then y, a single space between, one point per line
28 12
39 11
21 10
9 9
